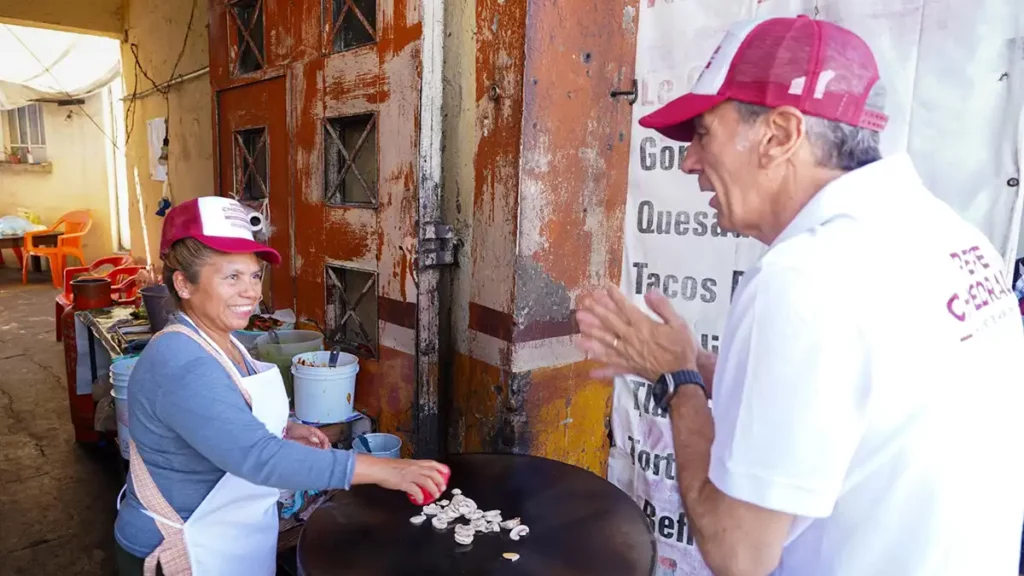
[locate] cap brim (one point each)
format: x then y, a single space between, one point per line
241 246
675 119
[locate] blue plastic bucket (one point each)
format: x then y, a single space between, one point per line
381 445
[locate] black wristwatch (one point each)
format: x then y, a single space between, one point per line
667 384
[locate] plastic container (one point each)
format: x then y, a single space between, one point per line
248 339
120 371
324 395
157 301
381 445
292 343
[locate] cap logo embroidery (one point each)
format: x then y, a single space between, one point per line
234 216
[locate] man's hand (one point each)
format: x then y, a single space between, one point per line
628 341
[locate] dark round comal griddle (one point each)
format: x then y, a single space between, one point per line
580 525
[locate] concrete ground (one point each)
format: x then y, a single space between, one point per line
57 499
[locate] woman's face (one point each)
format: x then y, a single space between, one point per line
228 291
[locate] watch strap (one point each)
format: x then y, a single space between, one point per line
670 382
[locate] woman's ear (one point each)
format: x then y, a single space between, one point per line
181 285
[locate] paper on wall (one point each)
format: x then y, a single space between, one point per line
156 131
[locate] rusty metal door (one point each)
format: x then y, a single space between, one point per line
253 153
356 114
334 85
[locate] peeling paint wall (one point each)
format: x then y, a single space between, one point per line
316 85
158 28
550 154
572 202
483 70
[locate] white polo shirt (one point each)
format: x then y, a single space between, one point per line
871 384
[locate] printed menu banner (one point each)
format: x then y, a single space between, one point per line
954 75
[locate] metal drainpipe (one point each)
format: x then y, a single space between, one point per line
433 238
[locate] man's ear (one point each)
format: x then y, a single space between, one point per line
784 132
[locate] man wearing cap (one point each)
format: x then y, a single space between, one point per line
866 398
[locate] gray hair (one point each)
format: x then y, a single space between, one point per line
836 145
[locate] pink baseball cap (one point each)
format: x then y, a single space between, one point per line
817 67
218 222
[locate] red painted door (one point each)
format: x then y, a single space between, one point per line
356 134
330 91
253 148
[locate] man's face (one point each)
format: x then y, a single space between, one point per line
724 157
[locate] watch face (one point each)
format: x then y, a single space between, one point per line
660 390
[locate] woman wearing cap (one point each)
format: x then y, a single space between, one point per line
211 444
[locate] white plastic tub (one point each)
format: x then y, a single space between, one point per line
324 395
120 371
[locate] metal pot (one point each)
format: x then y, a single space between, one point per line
90 293
157 301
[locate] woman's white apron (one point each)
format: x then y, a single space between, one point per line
234 530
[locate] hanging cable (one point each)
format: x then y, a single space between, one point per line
164 89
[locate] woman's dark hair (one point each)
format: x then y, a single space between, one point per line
188 256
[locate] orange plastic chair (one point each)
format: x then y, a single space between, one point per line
66 298
76 225
124 289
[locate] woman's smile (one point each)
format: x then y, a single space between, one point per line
243 311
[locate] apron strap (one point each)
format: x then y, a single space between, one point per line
172 553
231 370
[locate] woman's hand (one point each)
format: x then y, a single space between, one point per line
308 435
414 477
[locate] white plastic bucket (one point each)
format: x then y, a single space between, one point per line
324 395
120 371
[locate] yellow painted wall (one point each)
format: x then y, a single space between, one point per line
158 28
77 152
101 17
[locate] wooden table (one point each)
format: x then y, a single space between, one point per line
17 243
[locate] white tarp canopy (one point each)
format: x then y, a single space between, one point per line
46 64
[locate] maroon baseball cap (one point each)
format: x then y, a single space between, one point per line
223 224
817 67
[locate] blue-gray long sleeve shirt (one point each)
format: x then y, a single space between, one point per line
191 424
